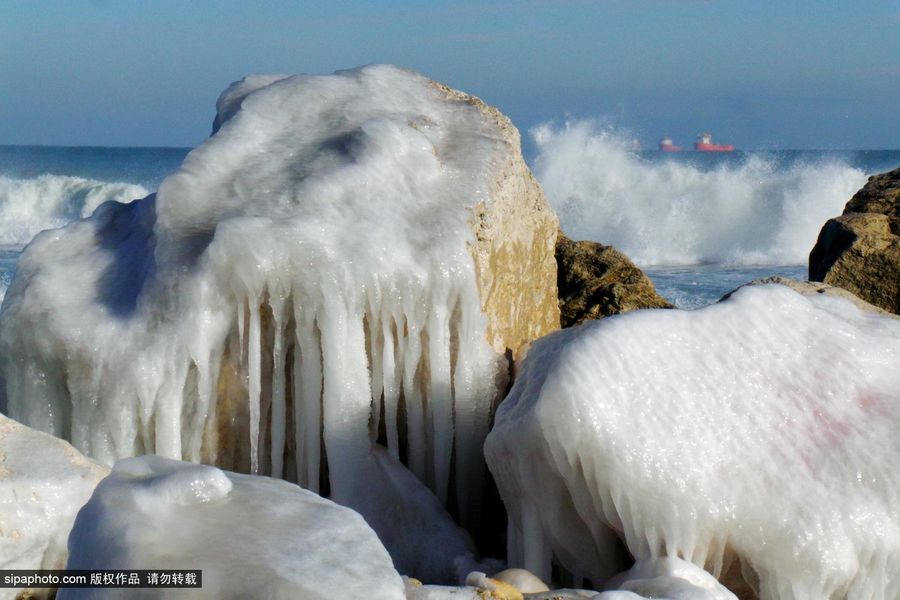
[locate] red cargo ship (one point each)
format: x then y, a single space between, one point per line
704 143
666 145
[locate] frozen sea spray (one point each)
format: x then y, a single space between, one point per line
763 426
345 260
252 537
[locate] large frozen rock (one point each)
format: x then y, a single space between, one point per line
860 250
43 483
763 427
252 537
346 259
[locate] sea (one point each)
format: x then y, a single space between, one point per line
700 224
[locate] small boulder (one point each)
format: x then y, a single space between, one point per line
860 250
43 483
597 281
252 537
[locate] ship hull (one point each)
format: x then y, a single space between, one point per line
701 147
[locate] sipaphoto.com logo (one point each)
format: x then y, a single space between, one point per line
111 578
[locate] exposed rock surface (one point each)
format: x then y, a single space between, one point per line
596 281
43 483
860 250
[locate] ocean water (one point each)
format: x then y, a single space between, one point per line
700 224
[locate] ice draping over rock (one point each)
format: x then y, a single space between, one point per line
667 577
43 483
763 426
342 261
252 537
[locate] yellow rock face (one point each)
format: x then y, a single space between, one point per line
515 241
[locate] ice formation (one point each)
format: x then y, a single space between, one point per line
667 577
252 537
301 287
43 483
763 427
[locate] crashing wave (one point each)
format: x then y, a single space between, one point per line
28 206
672 213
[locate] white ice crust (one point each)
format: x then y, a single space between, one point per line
319 242
669 578
252 537
763 426
43 483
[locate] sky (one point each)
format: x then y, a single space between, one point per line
757 73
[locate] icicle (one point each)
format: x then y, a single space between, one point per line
415 419
390 383
472 391
201 410
279 410
440 401
308 395
537 555
242 317
346 396
299 413
374 349
168 414
254 348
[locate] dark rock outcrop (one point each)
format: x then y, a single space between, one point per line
597 281
860 250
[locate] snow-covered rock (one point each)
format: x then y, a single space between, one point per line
764 425
252 537
43 483
347 258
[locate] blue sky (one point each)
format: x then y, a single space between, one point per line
759 73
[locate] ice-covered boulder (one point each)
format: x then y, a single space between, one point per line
763 427
252 537
860 250
346 259
43 483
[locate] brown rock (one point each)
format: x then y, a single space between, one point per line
597 281
860 250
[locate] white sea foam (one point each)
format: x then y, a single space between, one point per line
764 426
671 212
28 206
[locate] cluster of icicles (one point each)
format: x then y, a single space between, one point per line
353 371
